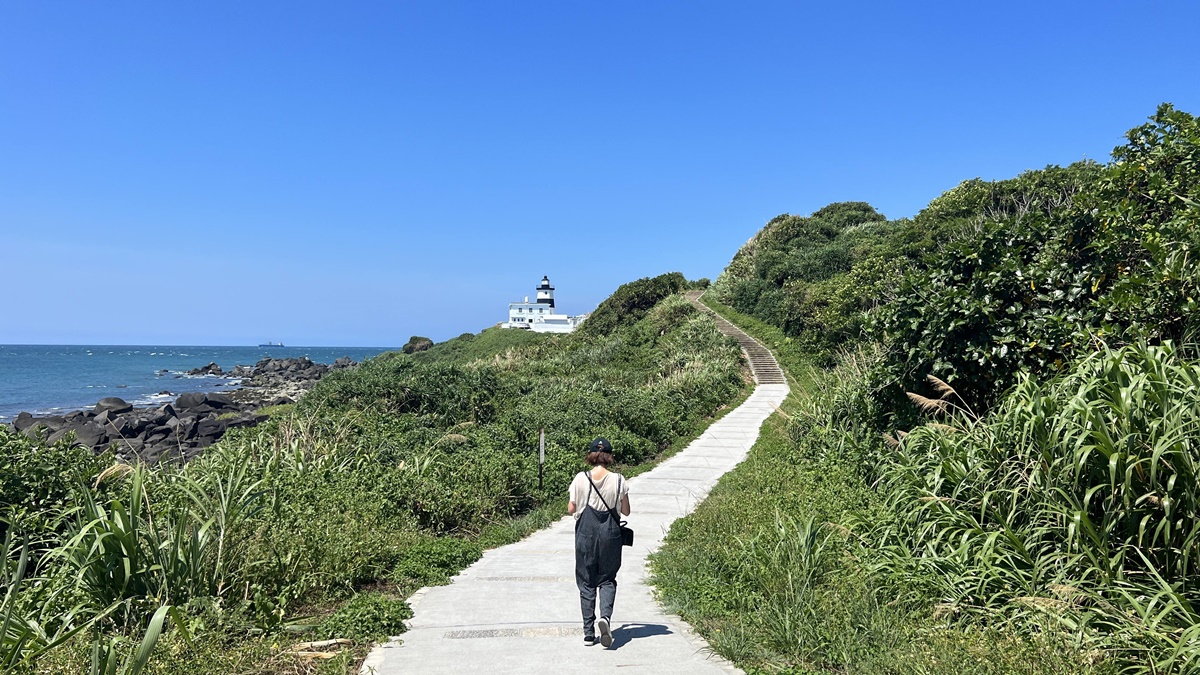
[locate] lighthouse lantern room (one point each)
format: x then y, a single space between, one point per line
545 293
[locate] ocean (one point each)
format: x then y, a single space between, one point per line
52 379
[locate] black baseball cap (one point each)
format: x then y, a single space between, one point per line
601 444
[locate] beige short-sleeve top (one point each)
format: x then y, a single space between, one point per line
606 486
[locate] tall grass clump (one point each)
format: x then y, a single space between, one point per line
1075 501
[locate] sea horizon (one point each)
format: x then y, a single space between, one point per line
52 379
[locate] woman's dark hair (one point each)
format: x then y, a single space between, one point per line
599 459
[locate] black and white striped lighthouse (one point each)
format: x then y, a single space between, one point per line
545 293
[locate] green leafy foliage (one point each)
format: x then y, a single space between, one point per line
769 571
1062 258
818 278
631 301
367 617
415 344
433 561
39 484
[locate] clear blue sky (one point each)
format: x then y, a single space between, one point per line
355 173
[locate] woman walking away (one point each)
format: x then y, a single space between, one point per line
595 498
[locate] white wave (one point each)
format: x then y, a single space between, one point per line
153 399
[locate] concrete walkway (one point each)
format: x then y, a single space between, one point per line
516 610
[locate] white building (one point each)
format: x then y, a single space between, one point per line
540 316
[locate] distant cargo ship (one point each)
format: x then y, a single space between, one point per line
272 344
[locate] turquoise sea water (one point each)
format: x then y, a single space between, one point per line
50 379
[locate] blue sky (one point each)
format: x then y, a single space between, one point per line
356 173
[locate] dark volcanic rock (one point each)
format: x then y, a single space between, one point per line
122 427
210 369
219 401
189 400
245 420
157 437
211 428
113 406
180 430
161 415
56 436
23 421
47 425
89 434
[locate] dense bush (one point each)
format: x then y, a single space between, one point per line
415 344
1065 258
631 301
818 278
367 617
40 483
779 568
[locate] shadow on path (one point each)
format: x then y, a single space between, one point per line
633 631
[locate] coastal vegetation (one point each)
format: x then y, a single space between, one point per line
317 524
990 465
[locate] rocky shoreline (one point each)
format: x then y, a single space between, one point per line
181 430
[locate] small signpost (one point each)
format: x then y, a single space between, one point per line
541 454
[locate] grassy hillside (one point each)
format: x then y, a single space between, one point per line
319 523
992 466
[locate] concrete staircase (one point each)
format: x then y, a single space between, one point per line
762 362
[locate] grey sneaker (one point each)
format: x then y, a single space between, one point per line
605 633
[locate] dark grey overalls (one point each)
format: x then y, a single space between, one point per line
597 558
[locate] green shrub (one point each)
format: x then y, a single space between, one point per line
431 562
631 301
1055 261
39 484
367 617
415 344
